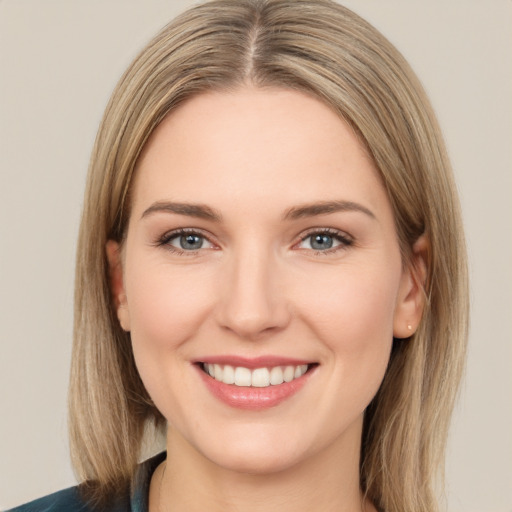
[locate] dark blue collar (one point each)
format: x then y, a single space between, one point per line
140 495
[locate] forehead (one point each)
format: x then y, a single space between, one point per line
278 144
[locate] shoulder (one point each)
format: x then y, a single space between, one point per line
70 499
67 500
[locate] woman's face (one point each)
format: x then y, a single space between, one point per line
261 245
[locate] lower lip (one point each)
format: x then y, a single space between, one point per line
252 398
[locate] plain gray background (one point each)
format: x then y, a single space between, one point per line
59 61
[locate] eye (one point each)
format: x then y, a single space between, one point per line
185 241
325 241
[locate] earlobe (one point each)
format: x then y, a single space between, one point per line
411 298
119 300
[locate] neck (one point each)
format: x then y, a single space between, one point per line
327 481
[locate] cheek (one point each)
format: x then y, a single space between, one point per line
356 306
166 305
354 322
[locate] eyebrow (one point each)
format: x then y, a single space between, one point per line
324 208
200 211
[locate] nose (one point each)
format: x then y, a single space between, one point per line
252 302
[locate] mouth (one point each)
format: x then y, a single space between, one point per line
254 384
256 378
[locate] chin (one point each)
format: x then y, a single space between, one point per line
255 462
253 451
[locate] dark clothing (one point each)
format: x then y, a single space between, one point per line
69 500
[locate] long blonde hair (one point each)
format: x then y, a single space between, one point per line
324 49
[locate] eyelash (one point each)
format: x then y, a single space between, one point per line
164 241
344 240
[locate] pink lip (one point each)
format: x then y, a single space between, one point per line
254 362
252 398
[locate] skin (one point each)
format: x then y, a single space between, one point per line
258 287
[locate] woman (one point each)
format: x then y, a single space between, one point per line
303 354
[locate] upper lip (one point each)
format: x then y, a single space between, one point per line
253 362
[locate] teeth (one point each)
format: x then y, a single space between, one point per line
258 378
229 375
217 372
242 376
276 376
300 370
289 373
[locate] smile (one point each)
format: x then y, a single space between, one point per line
254 384
257 377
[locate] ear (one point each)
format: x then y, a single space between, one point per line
113 250
411 296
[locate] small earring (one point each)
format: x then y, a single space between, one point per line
409 326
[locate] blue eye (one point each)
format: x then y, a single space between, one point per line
189 242
325 241
185 241
321 241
